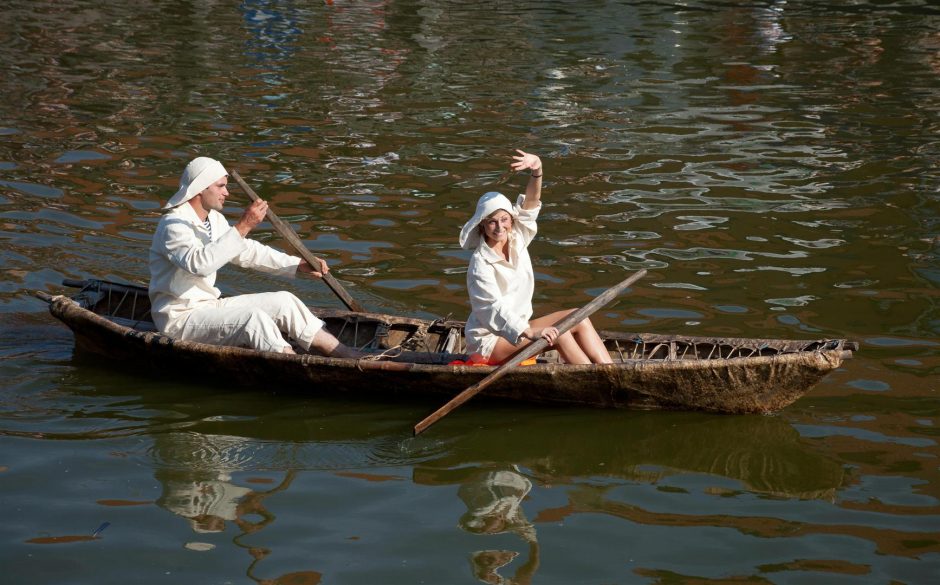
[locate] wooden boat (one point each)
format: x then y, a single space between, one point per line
413 357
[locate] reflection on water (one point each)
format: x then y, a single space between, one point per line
204 471
245 472
494 506
773 163
764 453
199 488
195 475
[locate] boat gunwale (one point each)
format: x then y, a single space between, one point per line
157 338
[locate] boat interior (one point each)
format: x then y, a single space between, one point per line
441 341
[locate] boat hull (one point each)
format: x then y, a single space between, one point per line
757 384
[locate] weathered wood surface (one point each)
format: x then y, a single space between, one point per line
777 373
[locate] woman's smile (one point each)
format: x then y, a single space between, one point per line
497 226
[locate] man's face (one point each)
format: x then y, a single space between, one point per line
214 196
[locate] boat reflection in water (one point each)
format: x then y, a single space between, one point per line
764 453
588 453
506 464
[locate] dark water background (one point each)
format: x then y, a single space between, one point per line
773 164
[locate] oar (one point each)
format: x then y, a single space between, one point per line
288 233
528 351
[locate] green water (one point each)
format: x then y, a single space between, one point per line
772 164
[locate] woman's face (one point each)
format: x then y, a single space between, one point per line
497 226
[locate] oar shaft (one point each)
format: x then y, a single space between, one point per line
528 351
288 233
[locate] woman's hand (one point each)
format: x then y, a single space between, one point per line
549 334
306 268
525 160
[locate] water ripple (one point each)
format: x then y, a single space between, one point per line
198 452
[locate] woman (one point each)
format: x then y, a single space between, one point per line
500 279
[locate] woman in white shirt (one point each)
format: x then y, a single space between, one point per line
500 279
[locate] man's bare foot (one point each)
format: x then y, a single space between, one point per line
343 351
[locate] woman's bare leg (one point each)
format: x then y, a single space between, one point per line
503 349
567 345
591 343
569 350
580 345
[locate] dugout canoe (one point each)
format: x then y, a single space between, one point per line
413 357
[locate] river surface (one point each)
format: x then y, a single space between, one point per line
773 164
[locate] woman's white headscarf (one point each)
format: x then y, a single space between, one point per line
488 204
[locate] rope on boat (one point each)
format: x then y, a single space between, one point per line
416 342
387 354
420 336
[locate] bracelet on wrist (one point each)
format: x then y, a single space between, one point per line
536 176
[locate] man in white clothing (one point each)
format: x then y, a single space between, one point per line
193 241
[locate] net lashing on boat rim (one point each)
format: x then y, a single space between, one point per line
715 349
93 292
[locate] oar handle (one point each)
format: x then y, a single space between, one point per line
528 351
288 233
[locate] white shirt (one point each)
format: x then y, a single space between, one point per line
501 290
184 261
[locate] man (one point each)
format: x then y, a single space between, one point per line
193 241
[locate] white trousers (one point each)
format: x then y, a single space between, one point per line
254 321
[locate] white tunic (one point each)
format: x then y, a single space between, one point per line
184 261
500 290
